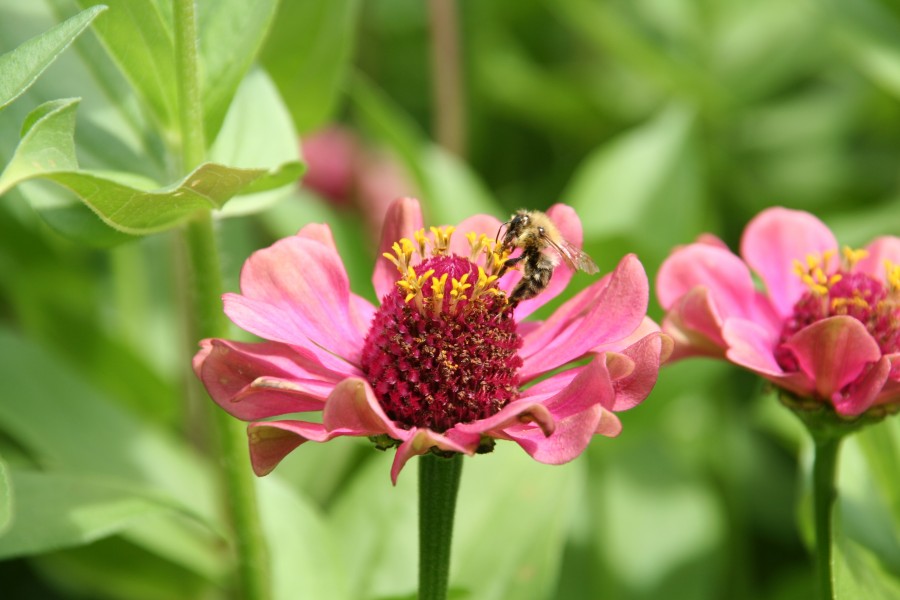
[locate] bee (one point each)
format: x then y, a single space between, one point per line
533 232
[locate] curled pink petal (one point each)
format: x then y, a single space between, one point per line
633 387
255 381
610 425
271 441
402 220
833 352
571 437
422 441
352 409
520 411
773 240
861 395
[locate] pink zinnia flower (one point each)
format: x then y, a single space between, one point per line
826 327
444 364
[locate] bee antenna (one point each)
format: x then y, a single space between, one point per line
502 225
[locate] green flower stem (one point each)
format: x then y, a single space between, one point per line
206 286
447 84
438 484
190 102
824 494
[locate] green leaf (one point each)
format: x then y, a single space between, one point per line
304 558
58 510
20 67
647 179
231 33
258 133
498 551
139 37
125 201
65 425
860 573
870 31
307 54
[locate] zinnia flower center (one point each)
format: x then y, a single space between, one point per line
443 347
844 292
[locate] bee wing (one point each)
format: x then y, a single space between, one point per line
572 256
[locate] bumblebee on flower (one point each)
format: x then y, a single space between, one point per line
446 363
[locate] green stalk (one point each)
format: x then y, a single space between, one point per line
438 485
824 494
206 287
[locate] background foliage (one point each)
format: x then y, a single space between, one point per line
656 120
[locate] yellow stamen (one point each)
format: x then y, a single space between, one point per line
402 254
851 256
422 240
893 275
442 237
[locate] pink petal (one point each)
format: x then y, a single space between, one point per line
633 387
833 352
771 243
695 323
256 381
572 435
721 273
297 292
861 394
576 329
422 441
569 225
318 232
402 220
271 441
610 425
577 410
751 346
352 409
486 224
880 250
517 412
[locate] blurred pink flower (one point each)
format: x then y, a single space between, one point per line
342 169
444 364
825 328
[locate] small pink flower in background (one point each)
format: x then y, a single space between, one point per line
342 169
444 363
826 327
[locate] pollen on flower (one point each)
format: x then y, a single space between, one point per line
436 353
839 290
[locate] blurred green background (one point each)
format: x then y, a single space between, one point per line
656 119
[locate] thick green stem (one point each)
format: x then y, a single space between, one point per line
438 484
190 102
824 494
206 287
446 69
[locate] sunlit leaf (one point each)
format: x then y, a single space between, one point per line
139 37
123 201
258 133
20 67
57 510
308 53
231 33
